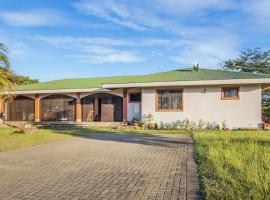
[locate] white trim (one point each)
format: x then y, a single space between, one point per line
189 83
62 91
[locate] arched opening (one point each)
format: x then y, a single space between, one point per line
22 108
102 107
58 108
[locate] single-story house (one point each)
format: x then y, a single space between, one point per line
210 95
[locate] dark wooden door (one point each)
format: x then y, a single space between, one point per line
107 109
21 109
88 109
118 108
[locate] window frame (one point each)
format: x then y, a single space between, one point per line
169 110
129 99
231 87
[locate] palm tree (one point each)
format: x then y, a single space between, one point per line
4 60
6 76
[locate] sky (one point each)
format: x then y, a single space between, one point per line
56 39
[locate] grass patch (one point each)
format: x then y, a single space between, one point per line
85 131
10 140
234 165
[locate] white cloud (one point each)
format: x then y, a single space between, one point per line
207 48
70 42
147 14
191 7
114 12
139 16
209 52
113 57
179 17
40 17
97 50
258 10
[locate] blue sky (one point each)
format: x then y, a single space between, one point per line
89 38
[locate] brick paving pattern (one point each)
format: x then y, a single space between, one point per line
102 166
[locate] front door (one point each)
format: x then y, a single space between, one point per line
107 109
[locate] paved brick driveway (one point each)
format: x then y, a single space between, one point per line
102 166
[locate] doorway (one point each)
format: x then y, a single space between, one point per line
102 108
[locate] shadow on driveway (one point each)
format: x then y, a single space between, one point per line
139 138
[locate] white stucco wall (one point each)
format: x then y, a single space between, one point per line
242 113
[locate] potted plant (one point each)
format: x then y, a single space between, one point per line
149 120
141 124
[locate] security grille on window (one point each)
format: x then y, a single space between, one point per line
230 93
135 97
169 100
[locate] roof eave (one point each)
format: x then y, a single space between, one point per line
190 83
61 91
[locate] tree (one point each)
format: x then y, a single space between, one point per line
24 80
4 60
250 60
254 61
8 79
6 83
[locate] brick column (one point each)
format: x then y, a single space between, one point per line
78 108
37 108
124 105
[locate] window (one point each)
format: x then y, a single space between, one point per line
169 100
135 97
230 93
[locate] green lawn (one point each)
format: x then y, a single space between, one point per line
10 140
234 165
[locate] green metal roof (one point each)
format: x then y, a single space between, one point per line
176 75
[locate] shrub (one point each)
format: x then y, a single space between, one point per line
162 125
193 125
218 127
178 125
186 124
224 125
135 120
141 123
189 125
201 125
149 118
156 125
